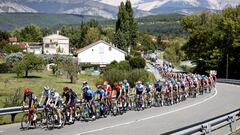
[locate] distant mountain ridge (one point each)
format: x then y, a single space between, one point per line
109 8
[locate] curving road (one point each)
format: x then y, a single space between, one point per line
152 121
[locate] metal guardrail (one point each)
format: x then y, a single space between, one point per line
230 81
229 123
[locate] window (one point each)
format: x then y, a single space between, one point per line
46 45
92 50
101 49
110 48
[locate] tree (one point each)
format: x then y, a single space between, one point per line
137 62
126 24
72 69
13 49
29 63
119 40
214 40
4 36
173 51
30 33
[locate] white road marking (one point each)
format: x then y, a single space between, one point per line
147 118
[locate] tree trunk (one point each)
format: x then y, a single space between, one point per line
26 73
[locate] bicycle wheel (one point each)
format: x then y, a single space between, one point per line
50 121
39 119
25 122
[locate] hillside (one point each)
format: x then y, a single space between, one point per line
11 21
164 24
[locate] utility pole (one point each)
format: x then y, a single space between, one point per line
227 68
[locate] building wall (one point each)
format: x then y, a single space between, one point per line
55 45
100 54
34 49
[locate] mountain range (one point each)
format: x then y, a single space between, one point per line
109 8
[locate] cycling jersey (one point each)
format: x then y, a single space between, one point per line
88 95
139 89
148 88
102 93
69 96
47 94
126 86
32 100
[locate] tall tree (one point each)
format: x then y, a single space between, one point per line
126 24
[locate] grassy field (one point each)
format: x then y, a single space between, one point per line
9 83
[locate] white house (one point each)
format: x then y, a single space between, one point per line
101 53
34 47
56 44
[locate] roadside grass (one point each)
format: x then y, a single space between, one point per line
36 81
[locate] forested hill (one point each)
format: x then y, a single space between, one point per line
11 21
164 24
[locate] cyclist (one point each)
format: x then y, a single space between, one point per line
101 95
107 88
126 86
139 90
56 100
70 101
118 89
88 96
32 103
47 93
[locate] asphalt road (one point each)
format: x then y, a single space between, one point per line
153 121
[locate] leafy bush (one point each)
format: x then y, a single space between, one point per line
137 62
116 75
122 65
13 57
4 68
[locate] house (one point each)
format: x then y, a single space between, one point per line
30 47
23 45
13 40
34 47
56 44
101 53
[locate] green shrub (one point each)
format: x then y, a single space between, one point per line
5 68
137 62
116 75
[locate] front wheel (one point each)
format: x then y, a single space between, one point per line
24 122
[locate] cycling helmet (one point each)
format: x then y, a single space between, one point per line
120 83
46 88
125 81
26 91
99 86
105 82
85 83
65 88
139 82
